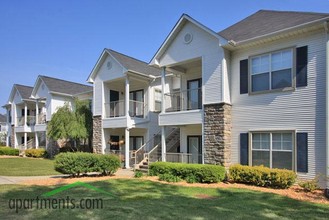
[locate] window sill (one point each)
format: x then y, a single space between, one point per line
286 89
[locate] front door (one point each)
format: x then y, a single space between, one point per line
194 147
194 94
114 104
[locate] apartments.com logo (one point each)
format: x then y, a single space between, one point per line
46 202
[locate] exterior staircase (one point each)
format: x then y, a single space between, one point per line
30 144
154 155
173 141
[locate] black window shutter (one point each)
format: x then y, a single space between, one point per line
301 66
302 155
243 76
244 149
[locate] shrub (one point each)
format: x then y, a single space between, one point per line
310 185
107 164
79 162
191 179
262 176
9 151
202 173
138 174
37 153
169 178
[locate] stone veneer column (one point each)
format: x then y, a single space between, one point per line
217 134
97 134
12 136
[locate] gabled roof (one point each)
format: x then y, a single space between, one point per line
24 91
127 62
64 87
266 22
133 64
176 29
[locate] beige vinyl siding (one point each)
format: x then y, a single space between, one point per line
302 109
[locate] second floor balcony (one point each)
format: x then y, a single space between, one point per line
30 121
187 100
117 109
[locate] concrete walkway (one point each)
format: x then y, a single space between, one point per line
125 173
19 179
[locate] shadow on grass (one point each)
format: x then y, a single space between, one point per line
139 199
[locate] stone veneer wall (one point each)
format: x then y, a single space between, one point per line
217 134
97 134
12 136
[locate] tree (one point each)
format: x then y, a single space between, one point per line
73 125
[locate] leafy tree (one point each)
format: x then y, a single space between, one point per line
74 125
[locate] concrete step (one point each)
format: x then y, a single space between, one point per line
143 170
144 167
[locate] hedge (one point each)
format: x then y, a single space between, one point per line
37 153
80 162
202 173
262 176
9 151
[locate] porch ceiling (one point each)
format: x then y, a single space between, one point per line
185 66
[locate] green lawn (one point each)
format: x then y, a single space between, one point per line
140 199
26 167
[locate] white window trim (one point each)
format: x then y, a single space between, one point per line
294 147
293 72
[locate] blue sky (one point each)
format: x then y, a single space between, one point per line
64 38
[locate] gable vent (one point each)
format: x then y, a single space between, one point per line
188 38
109 65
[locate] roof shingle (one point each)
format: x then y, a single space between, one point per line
266 22
24 91
65 87
133 64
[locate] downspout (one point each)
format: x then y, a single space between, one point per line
327 107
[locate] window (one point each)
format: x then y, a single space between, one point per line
272 71
157 100
272 149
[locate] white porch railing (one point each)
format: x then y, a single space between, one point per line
183 158
183 100
136 108
42 118
30 120
117 109
20 121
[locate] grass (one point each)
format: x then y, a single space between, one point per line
140 199
26 167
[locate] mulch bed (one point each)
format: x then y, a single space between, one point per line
295 192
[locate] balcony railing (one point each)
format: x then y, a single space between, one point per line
30 121
20 121
42 118
136 109
183 100
183 158
117 109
